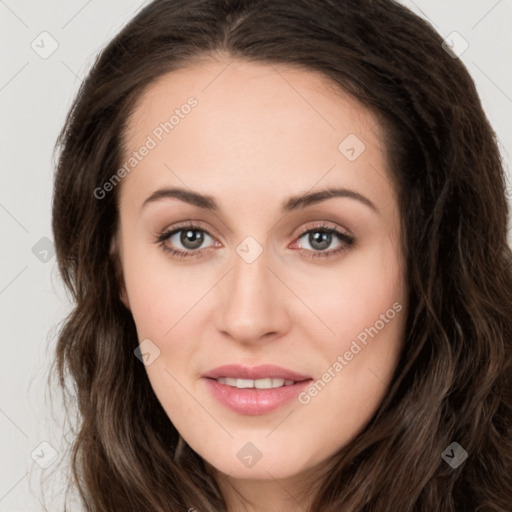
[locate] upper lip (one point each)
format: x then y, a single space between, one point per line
264 371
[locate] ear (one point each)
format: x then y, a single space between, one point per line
114 254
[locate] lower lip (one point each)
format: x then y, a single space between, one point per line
255 401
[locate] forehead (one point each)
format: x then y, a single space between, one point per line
229 83
254 124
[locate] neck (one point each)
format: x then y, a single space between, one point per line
293 494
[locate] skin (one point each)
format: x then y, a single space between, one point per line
258 135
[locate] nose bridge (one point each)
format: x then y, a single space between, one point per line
249 283
252 305
250 273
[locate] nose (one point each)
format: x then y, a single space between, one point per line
253 304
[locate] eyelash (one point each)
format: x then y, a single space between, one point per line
343 237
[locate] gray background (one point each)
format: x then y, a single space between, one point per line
36 91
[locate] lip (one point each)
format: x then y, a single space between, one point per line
252 401
264 371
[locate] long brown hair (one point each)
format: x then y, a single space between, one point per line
453 382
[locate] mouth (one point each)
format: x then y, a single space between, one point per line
255 384
263 372
255 390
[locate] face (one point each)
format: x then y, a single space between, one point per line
291 286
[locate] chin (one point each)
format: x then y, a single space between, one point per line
271 466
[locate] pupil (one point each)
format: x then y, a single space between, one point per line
191 238
321 238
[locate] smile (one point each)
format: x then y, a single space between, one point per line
254 390
257 384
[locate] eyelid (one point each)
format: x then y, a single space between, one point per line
189 224
327 225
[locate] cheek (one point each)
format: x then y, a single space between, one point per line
161 292
368 313
365 309
352 297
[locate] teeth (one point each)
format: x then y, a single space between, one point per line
258 383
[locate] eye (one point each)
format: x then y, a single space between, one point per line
190 236
320 237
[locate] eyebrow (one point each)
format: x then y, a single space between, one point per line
207 202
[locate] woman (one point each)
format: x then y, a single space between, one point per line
284 227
